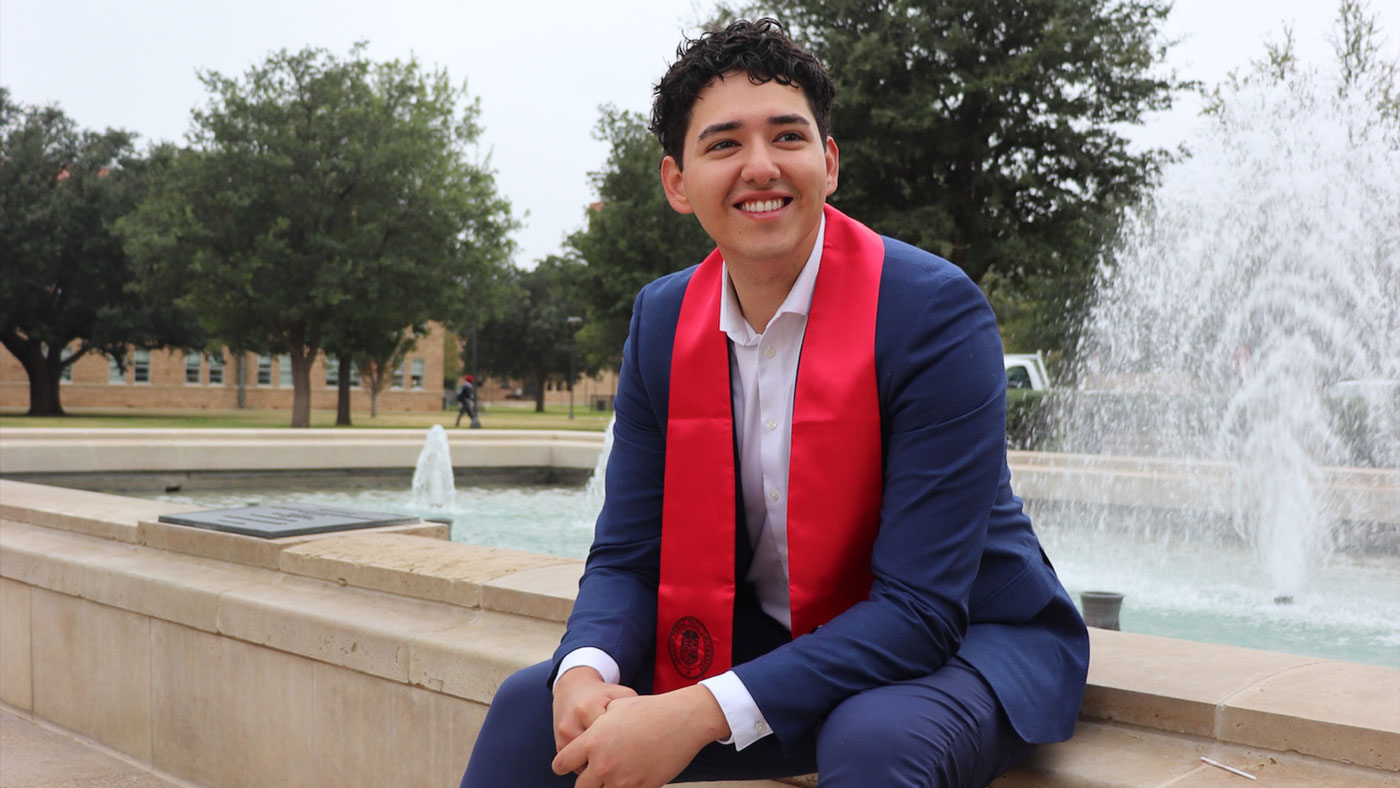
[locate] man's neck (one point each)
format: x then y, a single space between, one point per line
760 296
761 288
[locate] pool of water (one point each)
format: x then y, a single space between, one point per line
1349 608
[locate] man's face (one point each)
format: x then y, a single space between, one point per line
756 175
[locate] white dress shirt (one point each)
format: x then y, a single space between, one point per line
763 377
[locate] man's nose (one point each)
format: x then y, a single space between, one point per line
759 166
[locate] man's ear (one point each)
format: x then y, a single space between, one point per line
672 182
833 165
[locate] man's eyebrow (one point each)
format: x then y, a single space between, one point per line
788 120
718 128
732 125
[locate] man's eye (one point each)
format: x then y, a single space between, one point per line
790 136
722 145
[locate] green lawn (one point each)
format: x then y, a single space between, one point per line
503 417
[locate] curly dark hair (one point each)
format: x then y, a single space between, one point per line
760 48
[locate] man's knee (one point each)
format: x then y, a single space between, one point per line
527 688
944 730
516 742
864 735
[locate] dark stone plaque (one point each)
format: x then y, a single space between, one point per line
285 519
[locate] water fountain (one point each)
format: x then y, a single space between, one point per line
1264 273
433 485
594 492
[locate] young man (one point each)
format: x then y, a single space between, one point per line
814 566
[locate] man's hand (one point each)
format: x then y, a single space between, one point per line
580 697
643 742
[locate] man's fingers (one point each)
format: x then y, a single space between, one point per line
566 732
570 759
620 691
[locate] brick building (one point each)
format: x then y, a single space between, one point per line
175 379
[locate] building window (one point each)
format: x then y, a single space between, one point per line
284 370
67 374
192 364
354 376
417 374
398 377
332 372
114 371
264 369
216 369
141 366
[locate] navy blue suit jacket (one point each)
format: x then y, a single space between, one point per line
957 567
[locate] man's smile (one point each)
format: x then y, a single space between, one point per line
763 206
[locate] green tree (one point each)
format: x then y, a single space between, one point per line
530 336
378 360
990 132
1359 47
632 235
64 271
1361 65
324 202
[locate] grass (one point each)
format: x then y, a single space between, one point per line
504 417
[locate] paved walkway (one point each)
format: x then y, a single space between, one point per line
35 755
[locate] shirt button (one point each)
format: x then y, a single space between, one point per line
772 495
768 351
759 727
771 424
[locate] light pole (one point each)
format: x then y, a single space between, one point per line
575 323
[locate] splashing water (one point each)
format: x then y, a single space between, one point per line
433 485
1265 270
594 493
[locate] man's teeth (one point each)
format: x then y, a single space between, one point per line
759 206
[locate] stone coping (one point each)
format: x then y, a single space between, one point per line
45 450
457 619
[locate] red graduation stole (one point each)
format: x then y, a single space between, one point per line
834 478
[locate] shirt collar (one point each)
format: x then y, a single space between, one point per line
798 301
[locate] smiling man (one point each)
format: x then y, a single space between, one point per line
810 557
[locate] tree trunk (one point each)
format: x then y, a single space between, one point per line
240 364
301 386
43 381
539 393
342 393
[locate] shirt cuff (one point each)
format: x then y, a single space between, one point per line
590 657
746 723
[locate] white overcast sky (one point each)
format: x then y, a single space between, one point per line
540 67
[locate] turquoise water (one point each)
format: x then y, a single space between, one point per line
1348 609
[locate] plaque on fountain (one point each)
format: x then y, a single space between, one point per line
285 519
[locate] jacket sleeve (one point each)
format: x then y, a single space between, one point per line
942 398
616 605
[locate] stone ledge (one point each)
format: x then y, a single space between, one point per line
42 450
1171 685
1111 756
95 514
466 652
1341 711
546 592
1334 710
420 567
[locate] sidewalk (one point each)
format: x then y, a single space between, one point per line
35 755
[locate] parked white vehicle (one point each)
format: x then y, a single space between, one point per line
1026 371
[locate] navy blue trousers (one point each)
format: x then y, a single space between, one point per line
945 730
